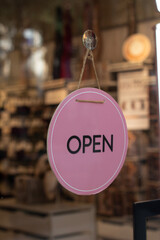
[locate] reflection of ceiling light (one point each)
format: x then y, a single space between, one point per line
33 37
158 5
136 48
36 63
6 44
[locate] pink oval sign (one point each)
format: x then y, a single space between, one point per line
87 141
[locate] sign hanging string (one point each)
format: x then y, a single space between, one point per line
89 55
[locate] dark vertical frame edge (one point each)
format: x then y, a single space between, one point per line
142 211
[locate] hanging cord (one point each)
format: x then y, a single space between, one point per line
89 55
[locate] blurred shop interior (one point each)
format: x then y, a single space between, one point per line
41 56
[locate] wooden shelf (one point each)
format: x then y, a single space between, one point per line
54 84
129 66
50 221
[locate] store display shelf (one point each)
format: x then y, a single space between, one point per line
55 96
133 158
129 66
53 84
156 183
71 86
18 235
110 83
49 221
13 171
153 149
14 88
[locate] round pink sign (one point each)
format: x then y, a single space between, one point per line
87 141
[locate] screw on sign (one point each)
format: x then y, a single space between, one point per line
89 40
